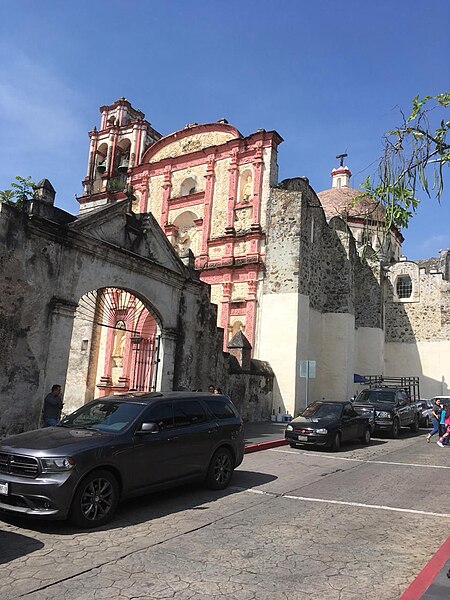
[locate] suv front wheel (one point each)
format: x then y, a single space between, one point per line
220 470
395 429
95 500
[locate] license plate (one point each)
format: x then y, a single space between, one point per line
3 488
302 438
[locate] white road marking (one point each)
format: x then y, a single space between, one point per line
373 462
343 503
362 505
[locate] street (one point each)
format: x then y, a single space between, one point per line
295 524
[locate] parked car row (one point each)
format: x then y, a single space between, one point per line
122 446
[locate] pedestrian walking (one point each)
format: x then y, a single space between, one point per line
442 420
53 404
446 435
435 418
217 390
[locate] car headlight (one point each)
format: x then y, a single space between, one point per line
322 431
55 465
382 414
289 428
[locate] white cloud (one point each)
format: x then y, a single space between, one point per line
34 105
435 243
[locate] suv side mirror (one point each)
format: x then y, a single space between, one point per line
148 428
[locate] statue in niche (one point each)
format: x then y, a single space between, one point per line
247 190
118 351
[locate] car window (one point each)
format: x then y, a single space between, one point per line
103 416
375 396
221 409
189 412
162 414
322 410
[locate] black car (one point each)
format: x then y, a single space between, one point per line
328 423
393 408
117 447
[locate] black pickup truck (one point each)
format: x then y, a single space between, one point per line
389 408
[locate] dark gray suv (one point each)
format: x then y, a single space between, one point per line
117 447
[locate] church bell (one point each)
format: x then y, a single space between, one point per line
101 167
123 166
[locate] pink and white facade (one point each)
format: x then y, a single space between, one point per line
208 187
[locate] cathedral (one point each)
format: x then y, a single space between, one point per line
190 263
307 278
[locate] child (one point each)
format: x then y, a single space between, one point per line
447 433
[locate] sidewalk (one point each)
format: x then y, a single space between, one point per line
264 435
432 583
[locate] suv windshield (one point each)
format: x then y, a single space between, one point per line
103 416
376 396
322 410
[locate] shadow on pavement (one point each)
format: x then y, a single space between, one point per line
151 506
14 545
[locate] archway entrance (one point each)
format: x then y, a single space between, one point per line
115 346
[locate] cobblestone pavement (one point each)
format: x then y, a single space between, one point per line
296 524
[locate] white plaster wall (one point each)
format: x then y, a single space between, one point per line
277 344
428 360
310 348
369 351
336 363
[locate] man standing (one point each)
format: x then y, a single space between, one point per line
52 407
435 418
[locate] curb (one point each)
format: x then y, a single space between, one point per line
264 446
428 574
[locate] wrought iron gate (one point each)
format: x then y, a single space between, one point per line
145 363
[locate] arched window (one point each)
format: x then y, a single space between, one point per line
339 183
188 187
404 286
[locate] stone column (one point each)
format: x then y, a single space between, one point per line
167 186
62 317
166 365
209 189
232 191
257 187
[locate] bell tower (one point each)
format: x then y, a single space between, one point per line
115 148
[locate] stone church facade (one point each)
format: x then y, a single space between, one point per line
168 223
304 276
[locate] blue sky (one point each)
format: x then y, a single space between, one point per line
328 76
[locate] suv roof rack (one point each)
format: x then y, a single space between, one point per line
408 384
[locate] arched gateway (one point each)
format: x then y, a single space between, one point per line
110 285
115 346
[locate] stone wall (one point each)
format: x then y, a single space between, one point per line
425 316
